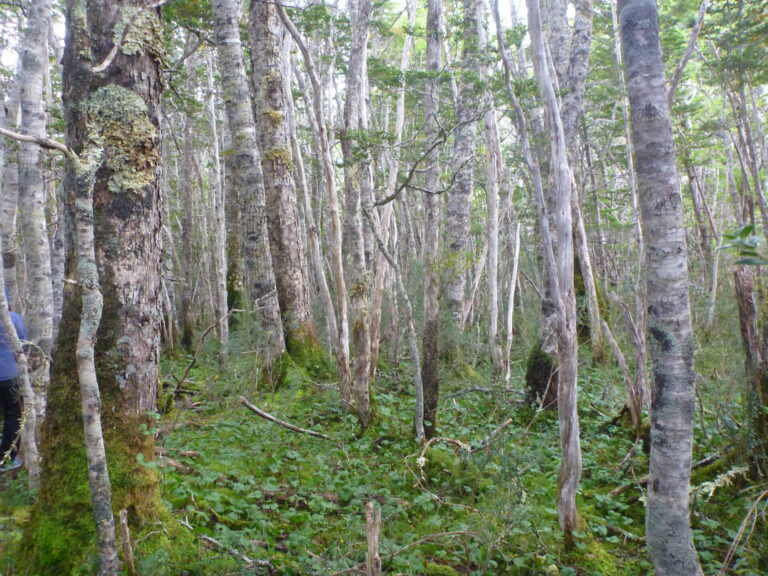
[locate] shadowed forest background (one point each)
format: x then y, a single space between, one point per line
433 288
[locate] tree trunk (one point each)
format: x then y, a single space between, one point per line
670 540
247 179
459 198
562 288
269 65
431 201
219 236
329 182
357 171
32 199
115 109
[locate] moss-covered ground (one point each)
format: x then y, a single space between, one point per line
276 501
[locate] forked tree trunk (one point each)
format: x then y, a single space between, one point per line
247 179
670 540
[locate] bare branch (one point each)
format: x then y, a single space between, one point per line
42 142
283 423
688 51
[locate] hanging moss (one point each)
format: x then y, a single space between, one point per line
541 378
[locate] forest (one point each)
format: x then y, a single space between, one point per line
392 287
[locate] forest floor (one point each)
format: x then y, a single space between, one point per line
267 500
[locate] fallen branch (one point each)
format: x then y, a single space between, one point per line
616 531
283 423
231 551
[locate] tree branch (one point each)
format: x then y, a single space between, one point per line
282 423
42 142
688 51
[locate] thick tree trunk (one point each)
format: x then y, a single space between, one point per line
247 179
116 110
670 540
269 59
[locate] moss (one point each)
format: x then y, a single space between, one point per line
590 557
281 157
439 570
274 116
541 378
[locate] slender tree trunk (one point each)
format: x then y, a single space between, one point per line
219 236
431 201
247 178
188 257
570 466
670 540
313 231
393 165
32 198
329 182
459 197
356 174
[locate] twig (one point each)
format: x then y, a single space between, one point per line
125 537
624 533
283 423
231 551
688 51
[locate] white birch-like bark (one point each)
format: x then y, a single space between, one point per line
32 198
459 197
493 174
670 540
219 240
511 305
90 318
565 308
642 381
312 230
357 174
393 165
247 177
329 182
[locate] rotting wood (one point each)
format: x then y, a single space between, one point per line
283 423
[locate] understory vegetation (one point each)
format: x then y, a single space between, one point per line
479 499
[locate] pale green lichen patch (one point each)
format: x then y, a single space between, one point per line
121 118
144 30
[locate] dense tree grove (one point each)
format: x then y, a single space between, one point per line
508 256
